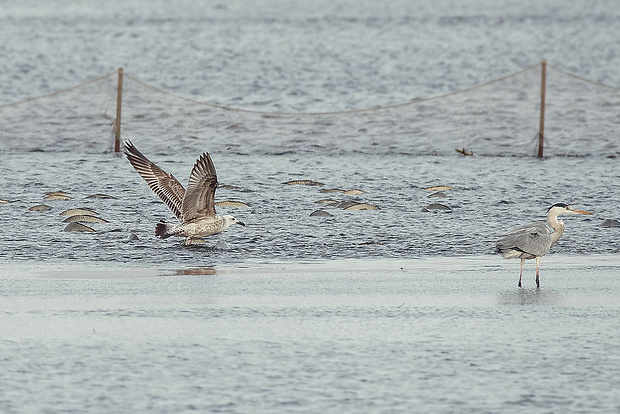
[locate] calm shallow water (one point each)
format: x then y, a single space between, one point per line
442 335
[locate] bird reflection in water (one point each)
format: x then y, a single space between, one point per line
526 297
197 271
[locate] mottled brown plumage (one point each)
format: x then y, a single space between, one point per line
194 207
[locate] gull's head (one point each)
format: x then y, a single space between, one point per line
230 220
564 209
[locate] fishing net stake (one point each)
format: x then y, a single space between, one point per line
543 87
119 104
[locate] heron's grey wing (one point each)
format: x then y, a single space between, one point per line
168 188
534 238
199 198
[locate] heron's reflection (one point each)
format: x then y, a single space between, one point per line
530 297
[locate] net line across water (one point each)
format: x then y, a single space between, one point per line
498 117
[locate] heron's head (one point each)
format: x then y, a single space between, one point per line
564 209
233 220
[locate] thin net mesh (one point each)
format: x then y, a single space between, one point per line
582 117
500 118
80 118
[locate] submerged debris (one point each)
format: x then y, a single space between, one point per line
221 245
609 223
83 211
328 201
304 182
341 191
437 207
439 188
346 204
79 227
102 196
320 213
354 191
370 243
362 206
464 152
40 207
438 194
57 197
84 218
332 190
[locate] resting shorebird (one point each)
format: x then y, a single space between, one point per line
194 208
534 240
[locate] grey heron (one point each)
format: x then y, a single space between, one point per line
534 240
194 208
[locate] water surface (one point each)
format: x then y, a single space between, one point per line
364 336
391 310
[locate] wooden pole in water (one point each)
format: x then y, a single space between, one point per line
543 90
119 104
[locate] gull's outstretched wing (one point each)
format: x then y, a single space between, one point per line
200 194
534 238
168 188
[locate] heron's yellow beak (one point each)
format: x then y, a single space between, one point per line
587 213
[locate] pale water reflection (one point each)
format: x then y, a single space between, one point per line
525 296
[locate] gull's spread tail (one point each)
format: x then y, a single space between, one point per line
163 230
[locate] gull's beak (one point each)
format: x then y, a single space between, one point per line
587 213
243 224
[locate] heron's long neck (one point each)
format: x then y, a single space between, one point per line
557 225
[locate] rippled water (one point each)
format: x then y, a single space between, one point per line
392 310
490 195
317 56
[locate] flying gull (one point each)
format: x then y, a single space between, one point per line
194 207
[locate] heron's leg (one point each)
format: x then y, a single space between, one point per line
521 274
537 272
